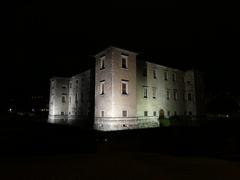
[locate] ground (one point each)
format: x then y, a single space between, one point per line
118 165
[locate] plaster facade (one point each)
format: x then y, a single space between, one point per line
127 93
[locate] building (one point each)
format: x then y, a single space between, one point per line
123 92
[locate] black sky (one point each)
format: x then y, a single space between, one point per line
45 39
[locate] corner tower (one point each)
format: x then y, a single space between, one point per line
115 90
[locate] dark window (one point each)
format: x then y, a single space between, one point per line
189 96
77 81
168 94
63 99
154 113
154 74
124 113
154 92
124 62
174 76
145 92
102 84
175 94
190 113
102 62
124 87
145 113
166 75
62 113
102 113
169 113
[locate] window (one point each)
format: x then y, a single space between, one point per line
76 98
64 87
175 94
145 92
169 113
166 75
70 84
102 113
154 92
175 113
154 74
190 113
174 76
77 81
81 97
145 113
189 96
62 113
63 99
154 113
124 87
124 113
184 96
102 87
124 61
168 94
102 62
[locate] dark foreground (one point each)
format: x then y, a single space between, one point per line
43 151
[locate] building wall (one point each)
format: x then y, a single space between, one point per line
76 107
171 97
159 102
58 109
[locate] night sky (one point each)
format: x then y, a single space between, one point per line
43 39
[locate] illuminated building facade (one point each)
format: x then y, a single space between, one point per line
126 94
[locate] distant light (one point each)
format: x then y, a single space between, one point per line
10 110
33 110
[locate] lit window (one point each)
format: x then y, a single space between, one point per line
145 92
166 75
145 113
174 76
154 113
189 96
154 74
102 83
124 113
124 61
124 87
102 62
175 94
154 92
102 113
63 99
168 94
